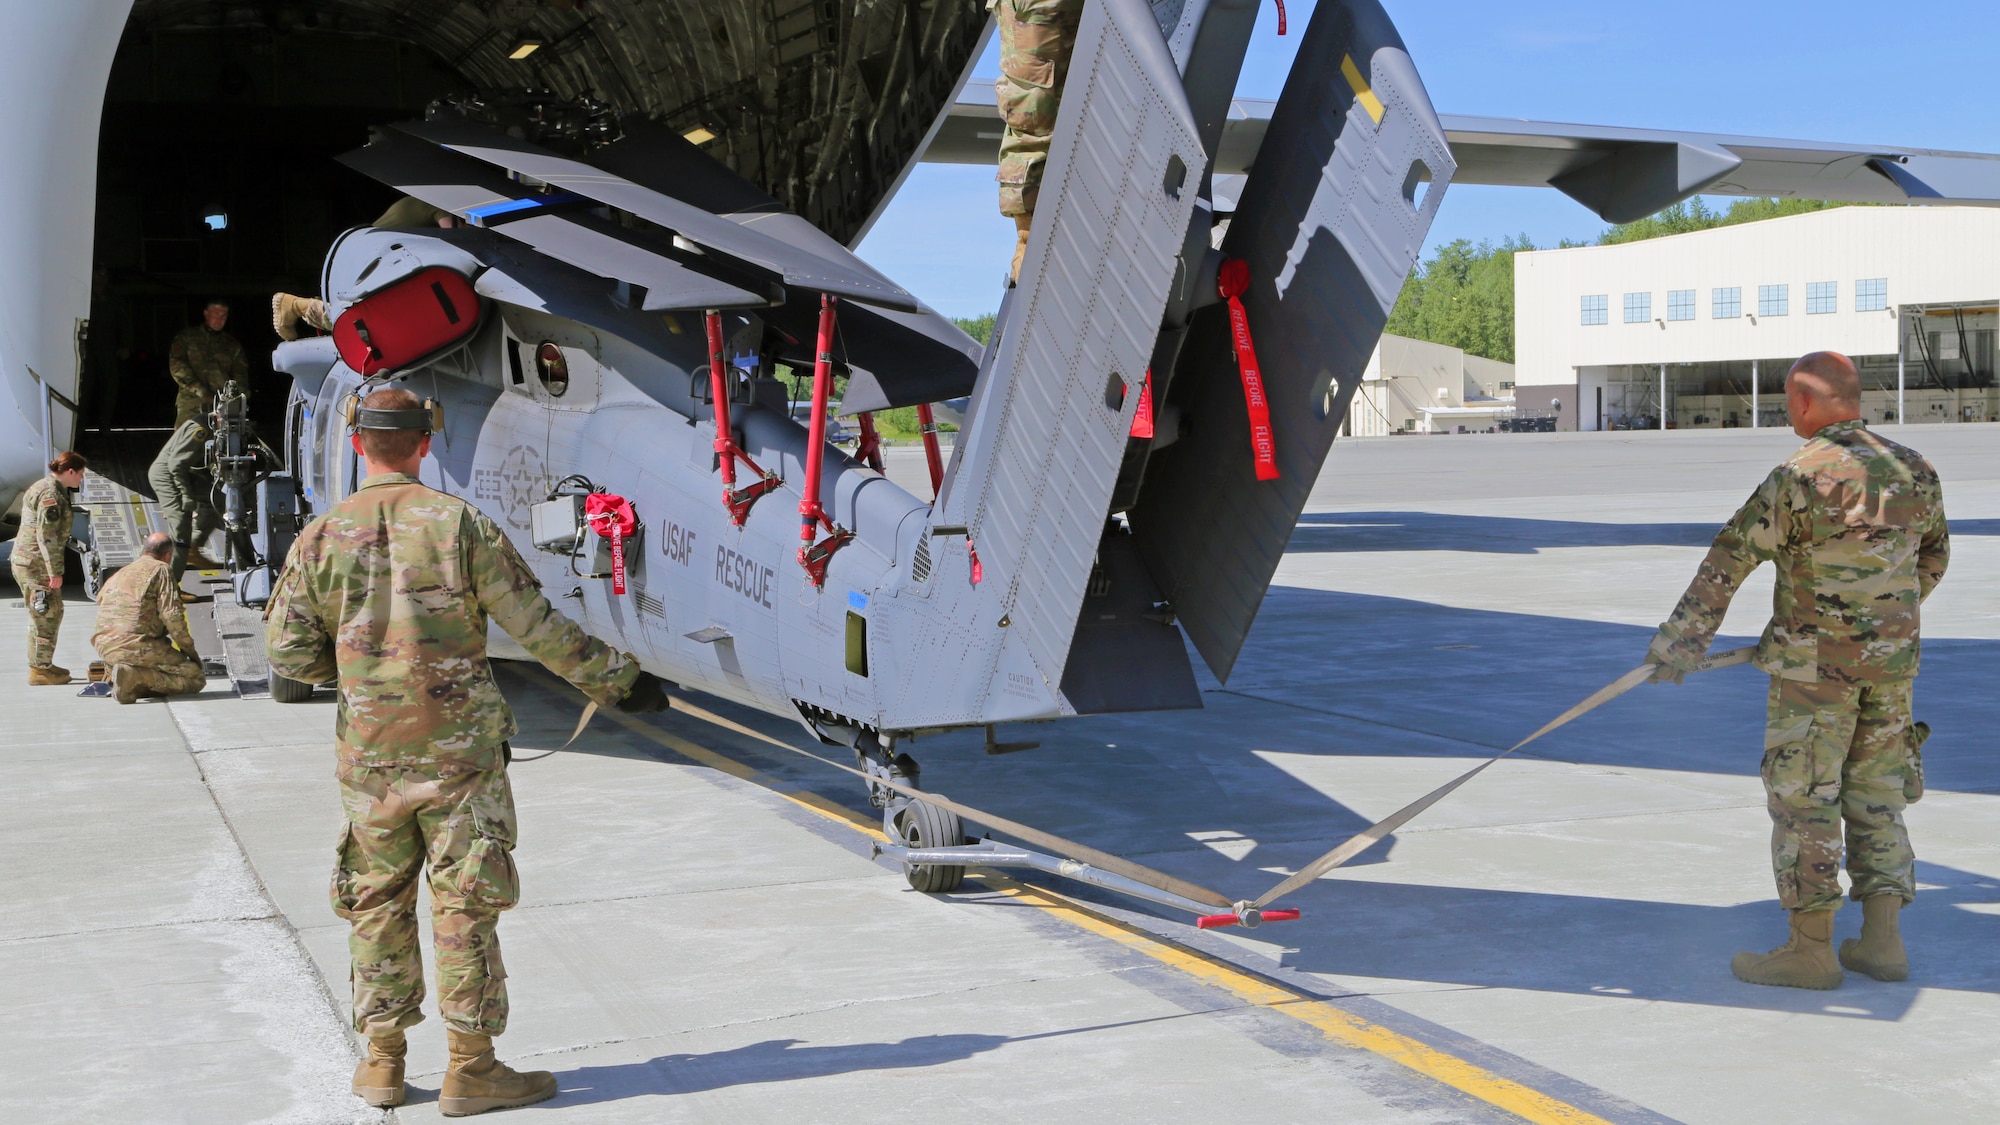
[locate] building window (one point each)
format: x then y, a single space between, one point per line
1638 308
1774 300
1871 294
1728 303
1822 297
1680 304
1596 308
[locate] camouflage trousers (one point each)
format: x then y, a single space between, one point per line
1036 37
1838 755
170 673
457 828
190 519
42 623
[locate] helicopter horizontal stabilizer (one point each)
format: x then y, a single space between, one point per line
1329 223
798 267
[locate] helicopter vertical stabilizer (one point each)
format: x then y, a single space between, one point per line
1335 211
1047 425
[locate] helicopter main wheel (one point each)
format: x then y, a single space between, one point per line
922 825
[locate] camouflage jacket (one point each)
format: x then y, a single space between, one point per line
201 362
139 614
390 594
1855 524
46 519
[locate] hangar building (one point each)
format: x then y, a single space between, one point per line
1707 323
1417 387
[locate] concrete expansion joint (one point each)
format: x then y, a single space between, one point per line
829 881
175 924
1491 747
198 751
333 1007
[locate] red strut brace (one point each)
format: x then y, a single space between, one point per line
814 556
927 422
868 450
726 452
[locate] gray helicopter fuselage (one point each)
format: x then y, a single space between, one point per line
722 608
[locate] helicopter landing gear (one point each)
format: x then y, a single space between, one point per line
909 822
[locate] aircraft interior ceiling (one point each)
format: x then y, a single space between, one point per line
222 120
822 102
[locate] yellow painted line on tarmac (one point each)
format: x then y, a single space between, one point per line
1362 92
1335 1023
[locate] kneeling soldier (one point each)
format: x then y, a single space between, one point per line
142 629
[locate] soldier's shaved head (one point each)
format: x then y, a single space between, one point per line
1831 376
1821 389
159 545
391 446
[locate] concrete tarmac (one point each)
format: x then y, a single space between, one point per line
704 936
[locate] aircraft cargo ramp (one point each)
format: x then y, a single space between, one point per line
704 936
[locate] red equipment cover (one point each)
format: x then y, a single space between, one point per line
408 321
613 518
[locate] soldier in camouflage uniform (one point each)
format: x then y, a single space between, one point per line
142 631
390 593
1855 525
186 492
203 359
288 309
46 519
1036 37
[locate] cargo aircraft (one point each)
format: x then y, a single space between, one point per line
654 207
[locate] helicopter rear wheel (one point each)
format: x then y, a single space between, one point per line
921 825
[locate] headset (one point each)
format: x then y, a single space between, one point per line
429 417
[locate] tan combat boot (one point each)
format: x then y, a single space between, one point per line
125 683
287 310
476 1081
1806 961
198 560
1021 224
378 1078
48 675
1878 952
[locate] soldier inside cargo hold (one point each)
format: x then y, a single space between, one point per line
142 629
46 520
1036 37
390 594
185 489
288 309
1855 525
203 359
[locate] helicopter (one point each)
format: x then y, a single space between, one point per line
608 327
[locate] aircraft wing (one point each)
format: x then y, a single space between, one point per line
1621 174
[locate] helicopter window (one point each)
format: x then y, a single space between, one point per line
553 368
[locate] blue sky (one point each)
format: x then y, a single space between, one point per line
1836 70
